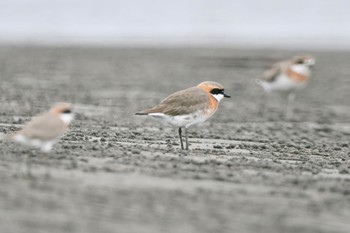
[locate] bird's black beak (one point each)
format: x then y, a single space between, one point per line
227 96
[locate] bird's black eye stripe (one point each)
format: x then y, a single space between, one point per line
300 62
217 91
67 111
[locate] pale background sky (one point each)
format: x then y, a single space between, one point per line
315 23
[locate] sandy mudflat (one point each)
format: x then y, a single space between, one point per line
116 172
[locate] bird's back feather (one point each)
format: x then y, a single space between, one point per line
181 103
277 69
44 127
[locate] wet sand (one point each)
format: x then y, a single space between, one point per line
116 172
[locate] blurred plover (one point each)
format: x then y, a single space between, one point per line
45 130
189 106
287 76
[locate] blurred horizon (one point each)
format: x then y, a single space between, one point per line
252 23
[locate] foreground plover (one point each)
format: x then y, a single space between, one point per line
45 130
287 76
188 107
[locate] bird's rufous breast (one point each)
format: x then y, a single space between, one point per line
297 77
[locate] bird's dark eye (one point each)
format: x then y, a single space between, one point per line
67 111
299 62
217 91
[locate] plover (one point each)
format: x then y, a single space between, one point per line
286 77
44 130
188 107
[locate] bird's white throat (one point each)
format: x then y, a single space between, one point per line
67 117
218 97
301 69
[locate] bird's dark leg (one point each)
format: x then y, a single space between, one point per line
182 145
289 109
28 166
186 139
262 107
28 163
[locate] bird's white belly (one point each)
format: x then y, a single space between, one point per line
181 120
283 84
44 145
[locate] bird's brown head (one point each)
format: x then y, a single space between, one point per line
64 111
306 60
215 89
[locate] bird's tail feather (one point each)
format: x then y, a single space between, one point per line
9 136
258 82
141 113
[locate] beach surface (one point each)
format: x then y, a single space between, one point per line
117 172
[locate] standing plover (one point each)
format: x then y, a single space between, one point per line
188 107
45 130
287 76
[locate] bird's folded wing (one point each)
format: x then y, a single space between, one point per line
45 127
182 102
271 74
